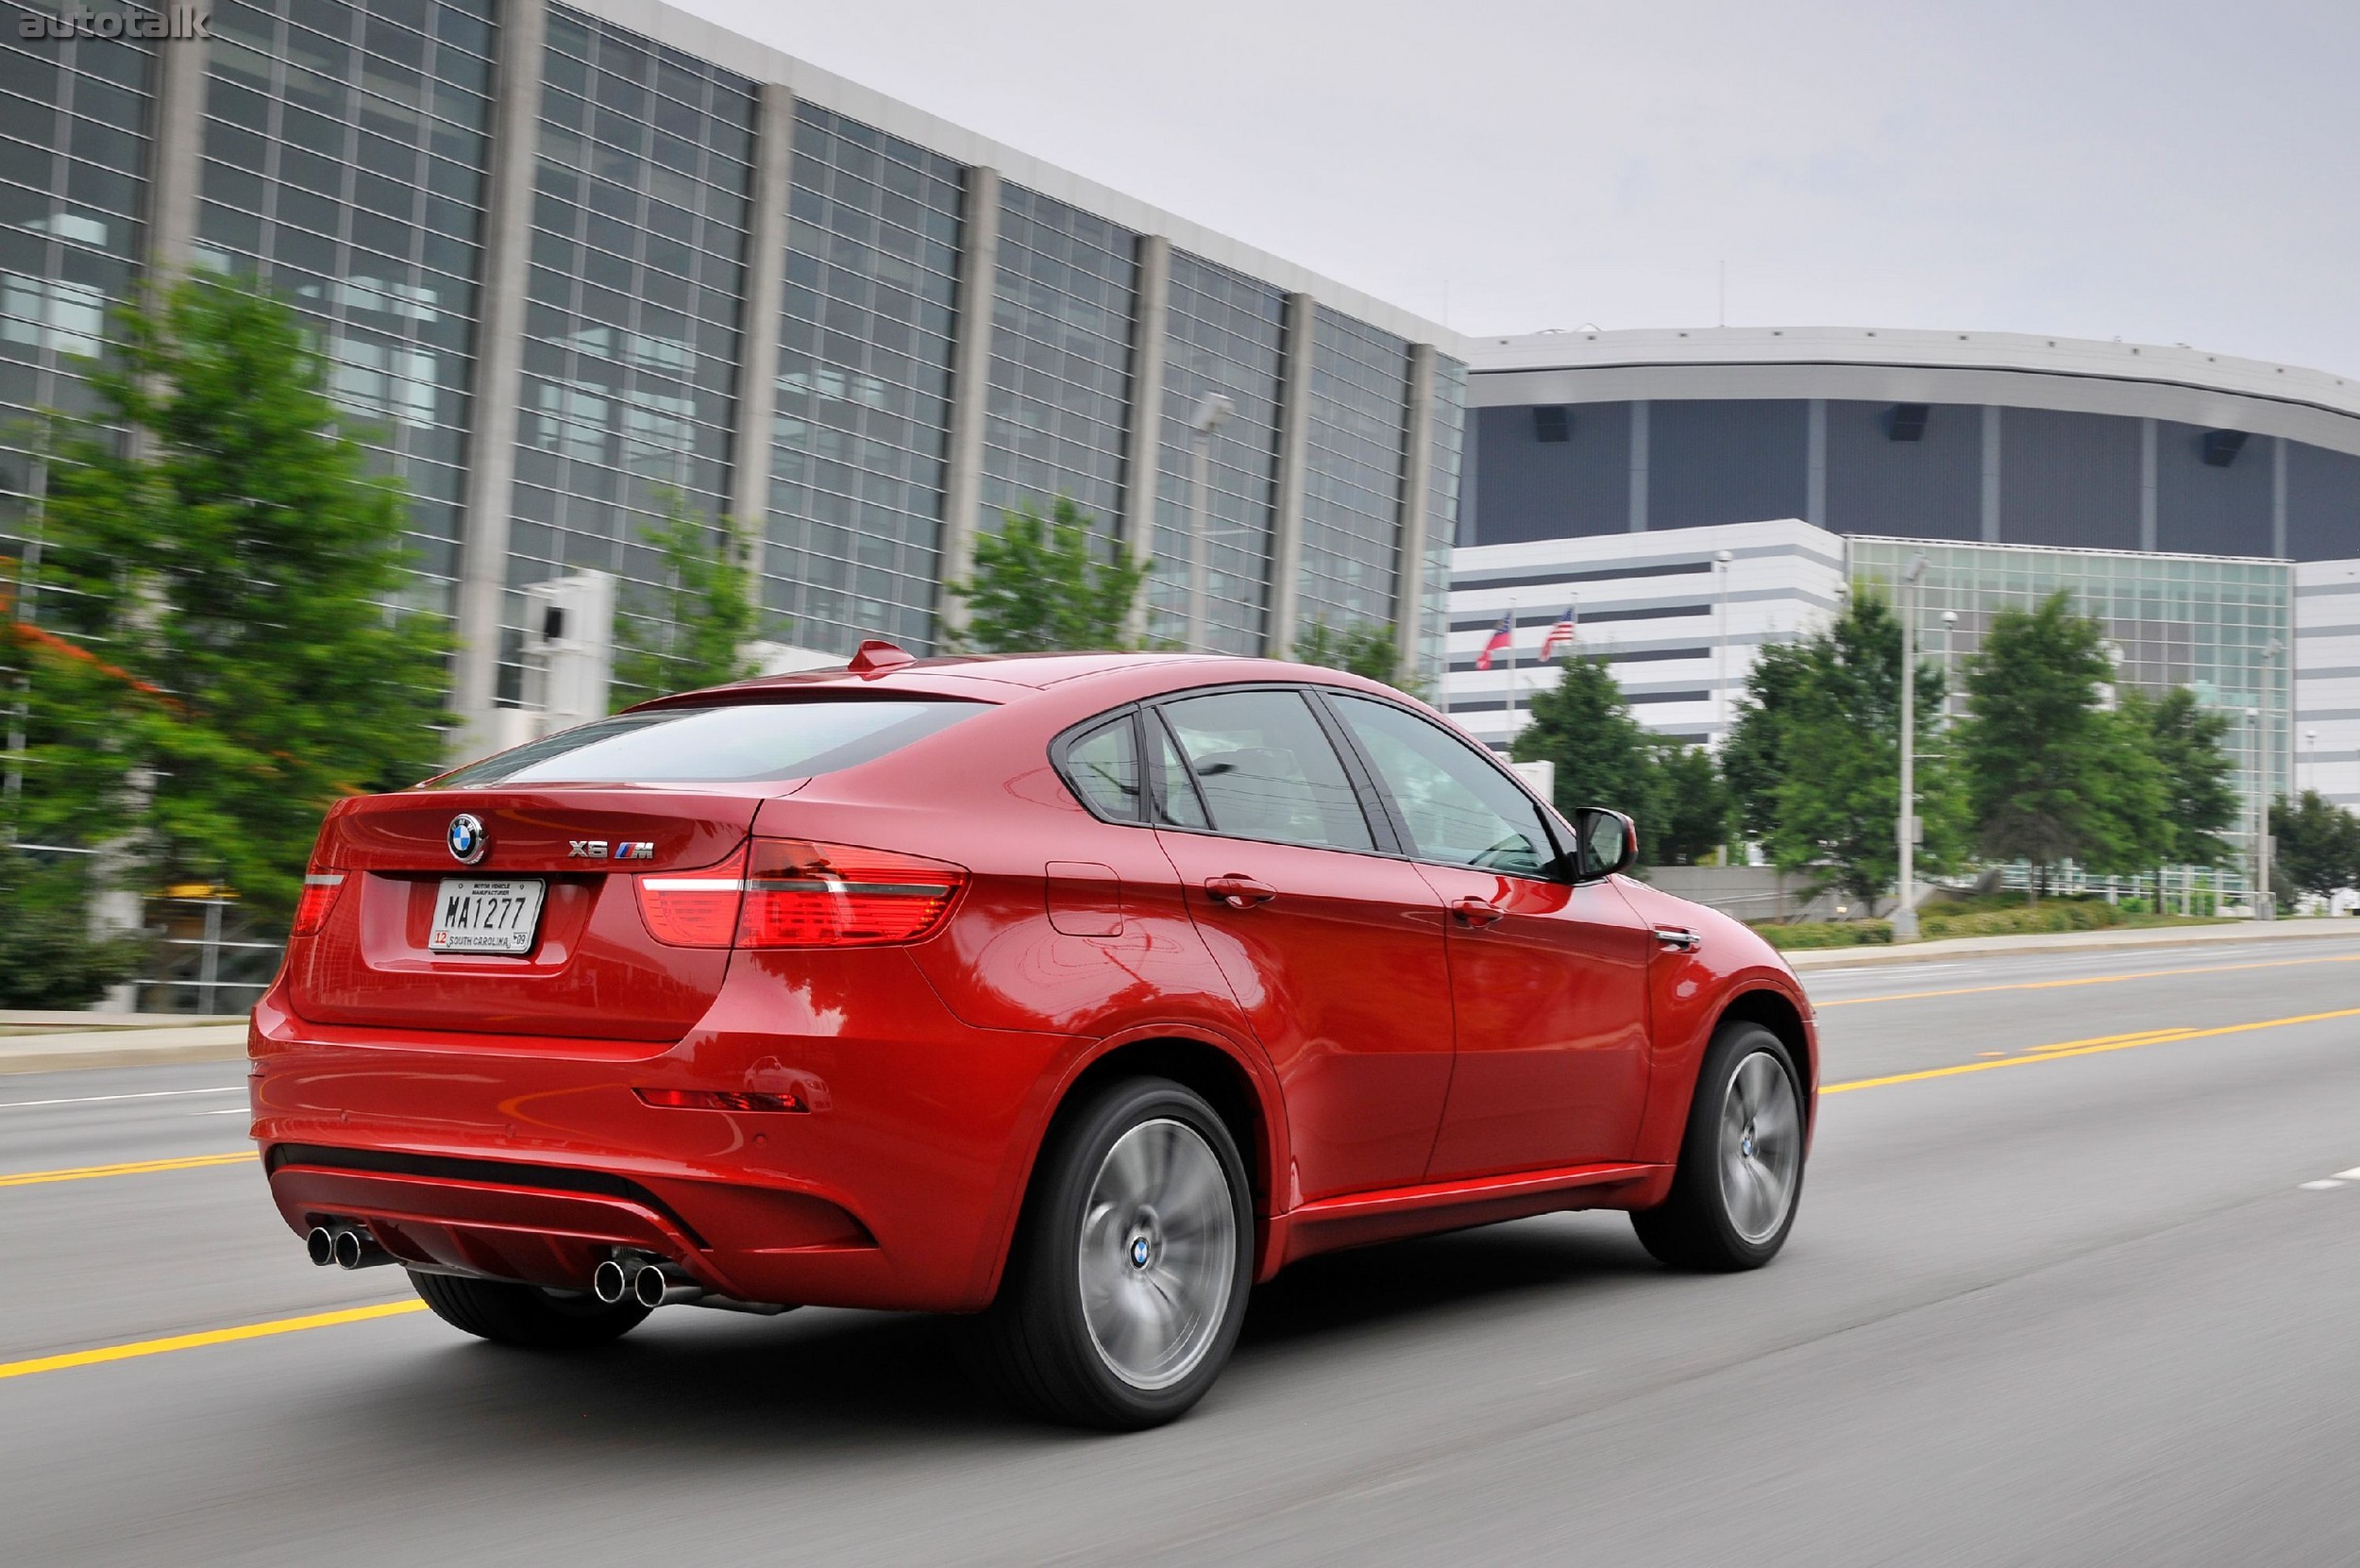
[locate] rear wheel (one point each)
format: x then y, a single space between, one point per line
526 1315
1125 1293
1741 1165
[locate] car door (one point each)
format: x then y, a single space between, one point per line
1549 977
1334 952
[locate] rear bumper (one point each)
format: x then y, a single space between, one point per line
530 1158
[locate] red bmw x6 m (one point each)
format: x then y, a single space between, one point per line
1076 992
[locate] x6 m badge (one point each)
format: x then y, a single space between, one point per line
598 849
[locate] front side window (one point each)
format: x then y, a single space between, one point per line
1458 810
1265 771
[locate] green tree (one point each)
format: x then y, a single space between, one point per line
1814 756
2318 845
2052 775
1369 648
2200 797
692 630
1602 756
1691 803
217 651
48 957
1040 586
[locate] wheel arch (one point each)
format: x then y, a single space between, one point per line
1779 1013
1247 1106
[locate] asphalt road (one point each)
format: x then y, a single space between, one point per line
2073 1304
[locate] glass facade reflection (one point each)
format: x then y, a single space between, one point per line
863 390
627 394
1224 334
73 189
1061 361
1444 428
2206 623
345 154
1352 489
344 150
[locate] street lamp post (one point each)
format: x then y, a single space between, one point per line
2262 899
1950 682
2268 908
1905 832
2311 759
1721 650
1212 411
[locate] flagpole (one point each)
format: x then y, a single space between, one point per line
1515 722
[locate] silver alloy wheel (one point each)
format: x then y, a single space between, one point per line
1158 1252
1762 1146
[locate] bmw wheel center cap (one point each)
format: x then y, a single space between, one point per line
466 839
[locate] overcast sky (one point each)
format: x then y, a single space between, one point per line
2163 173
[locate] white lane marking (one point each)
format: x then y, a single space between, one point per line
2320 1187
103 1099
231 1110
2351 1175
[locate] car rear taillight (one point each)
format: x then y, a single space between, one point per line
318 898
790 893
698 909
802 895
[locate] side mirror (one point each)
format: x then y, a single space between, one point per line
1605 842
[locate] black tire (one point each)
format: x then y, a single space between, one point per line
525 1315
1190 1269
1705 1226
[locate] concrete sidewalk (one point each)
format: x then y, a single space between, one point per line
169 1040
2074 941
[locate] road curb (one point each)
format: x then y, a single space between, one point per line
2074 941
72 1051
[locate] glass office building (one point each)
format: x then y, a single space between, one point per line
2222 626
577 268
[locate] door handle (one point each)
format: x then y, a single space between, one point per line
1240 892
1678 937
1477 912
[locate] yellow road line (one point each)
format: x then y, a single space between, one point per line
210 1336
2088 1048
137 1168
2086 980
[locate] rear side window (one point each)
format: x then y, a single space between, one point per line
1265 771
737 742
1102 766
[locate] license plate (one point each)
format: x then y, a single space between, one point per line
482 915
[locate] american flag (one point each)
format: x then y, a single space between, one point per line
1502 637
1561 637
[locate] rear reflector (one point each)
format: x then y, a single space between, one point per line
718 1100
318 898
788 893
832 895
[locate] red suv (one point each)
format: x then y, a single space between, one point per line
1076 992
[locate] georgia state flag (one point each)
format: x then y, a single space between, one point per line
1503 636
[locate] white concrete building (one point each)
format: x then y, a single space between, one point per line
1683 628
2327 679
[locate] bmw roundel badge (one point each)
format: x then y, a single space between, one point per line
466 839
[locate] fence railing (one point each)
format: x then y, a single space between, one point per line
205 960
2171 889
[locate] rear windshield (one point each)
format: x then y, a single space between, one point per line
741 743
